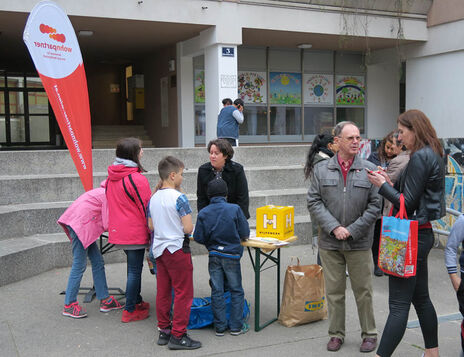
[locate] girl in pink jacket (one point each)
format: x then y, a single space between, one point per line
83 222
128 193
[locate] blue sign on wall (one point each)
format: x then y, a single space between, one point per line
228 51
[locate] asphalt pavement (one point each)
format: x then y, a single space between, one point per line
31 323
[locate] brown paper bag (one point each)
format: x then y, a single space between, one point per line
303 298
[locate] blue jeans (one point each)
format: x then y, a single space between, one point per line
79 265
220 268
134 277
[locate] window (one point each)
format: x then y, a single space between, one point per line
25 115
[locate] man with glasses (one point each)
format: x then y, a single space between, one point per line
346 205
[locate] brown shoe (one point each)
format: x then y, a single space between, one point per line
369 344
334 344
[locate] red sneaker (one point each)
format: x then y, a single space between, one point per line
142 306
135 315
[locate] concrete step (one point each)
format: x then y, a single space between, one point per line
24 257
59 161
22 220
66 187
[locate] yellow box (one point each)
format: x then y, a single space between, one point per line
275 221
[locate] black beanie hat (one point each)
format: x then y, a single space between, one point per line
217 187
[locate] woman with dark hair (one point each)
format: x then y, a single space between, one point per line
220 165
385 152
422 184
381 158
128 193
322 148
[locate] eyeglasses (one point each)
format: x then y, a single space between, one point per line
351 138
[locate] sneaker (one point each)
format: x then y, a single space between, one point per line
110 304
244 329
183 343
220 333
142 306
135 315
74 310
163 338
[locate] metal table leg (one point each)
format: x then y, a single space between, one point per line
257 267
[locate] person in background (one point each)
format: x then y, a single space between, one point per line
322 148
220 165
83 222
395 168
128 193
381 158
226 102
230 117
455 240
171 219
221 227
422 184
345 205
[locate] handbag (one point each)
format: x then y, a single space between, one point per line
398 244
303 299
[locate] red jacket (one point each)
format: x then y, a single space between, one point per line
127 223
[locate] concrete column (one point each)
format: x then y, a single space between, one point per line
220 82
185 97
383 101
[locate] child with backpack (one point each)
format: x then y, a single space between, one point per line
83 222
171 218
221 227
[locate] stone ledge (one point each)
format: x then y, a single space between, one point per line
24 257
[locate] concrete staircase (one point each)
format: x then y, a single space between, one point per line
106 136
37 186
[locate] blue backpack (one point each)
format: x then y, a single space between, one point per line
201 313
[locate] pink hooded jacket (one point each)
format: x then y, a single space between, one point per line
87 216
127 222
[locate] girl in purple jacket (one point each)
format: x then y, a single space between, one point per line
83 222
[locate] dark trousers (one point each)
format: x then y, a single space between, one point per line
403 292
376 241
460 295
175 271
134 278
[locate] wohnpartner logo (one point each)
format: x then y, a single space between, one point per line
59 37
52 33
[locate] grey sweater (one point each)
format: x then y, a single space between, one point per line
454 240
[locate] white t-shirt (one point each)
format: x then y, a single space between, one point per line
166 208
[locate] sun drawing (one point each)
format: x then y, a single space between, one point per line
284 80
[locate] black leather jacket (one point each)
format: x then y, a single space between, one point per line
422 183
237 185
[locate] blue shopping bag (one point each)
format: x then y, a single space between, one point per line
201 313
398 244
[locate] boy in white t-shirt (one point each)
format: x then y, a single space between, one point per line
171 218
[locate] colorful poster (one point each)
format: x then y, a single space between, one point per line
252 87
199 85
318 88
285 88
350 90
53 46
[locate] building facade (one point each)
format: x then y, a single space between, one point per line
300 66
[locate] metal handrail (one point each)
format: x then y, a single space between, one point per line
442 231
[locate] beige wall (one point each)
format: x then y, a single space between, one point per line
443 11
106 108
156 67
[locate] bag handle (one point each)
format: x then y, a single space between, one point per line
297 259
402 214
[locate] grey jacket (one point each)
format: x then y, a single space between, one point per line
355 207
